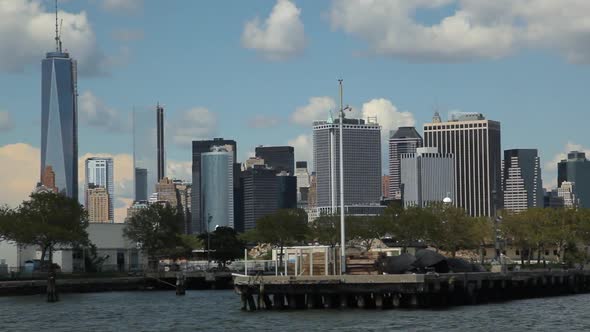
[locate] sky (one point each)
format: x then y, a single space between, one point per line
261 71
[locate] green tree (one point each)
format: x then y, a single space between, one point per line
366 229
410 226
48 220
517 230
226 246
157 229
325 230
282 228
455 229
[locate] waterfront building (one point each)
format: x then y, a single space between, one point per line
160 142
98 204
99 173
59 120
199 220
280 158
427 177
402 140
362 164
576 169
261 194
287 190
475 144
521 180
217 188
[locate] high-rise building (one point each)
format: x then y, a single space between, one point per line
576 169
287 190
145 152
199 220
160 134
99 173
280 158
141 184
59 119
217 188
184 192
401 140
427 177
362 164
385 182
261 192
475 144
98 204
48 179
521 180
166 190
567 195
251 162
302 175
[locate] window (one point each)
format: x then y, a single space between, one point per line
517 252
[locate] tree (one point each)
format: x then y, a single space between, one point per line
48 220
515 229
483 233
412 225
455 229
325 230
225 245
157 229
282 228
366 229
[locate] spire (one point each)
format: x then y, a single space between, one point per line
436 118
56 30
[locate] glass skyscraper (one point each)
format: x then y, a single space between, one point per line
217 193
59 121
145 153
99 173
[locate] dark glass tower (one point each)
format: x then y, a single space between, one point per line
402 140
576 168
59 120
281 158
160 134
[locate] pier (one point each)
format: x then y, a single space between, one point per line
404 290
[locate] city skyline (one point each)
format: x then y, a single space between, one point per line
281 117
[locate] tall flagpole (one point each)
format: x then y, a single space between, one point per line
342 232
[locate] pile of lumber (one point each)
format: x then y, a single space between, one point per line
362 265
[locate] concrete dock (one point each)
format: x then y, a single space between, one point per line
403 290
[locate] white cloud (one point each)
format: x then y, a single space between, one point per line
317 109
181 170
549 172
387 116
474 30
193 124
118 6
94 113
6 122
303 147
20 172
281 35
27 33
263 121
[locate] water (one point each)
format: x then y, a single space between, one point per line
220 311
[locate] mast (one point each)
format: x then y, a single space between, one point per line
342 232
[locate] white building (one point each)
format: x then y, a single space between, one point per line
99 173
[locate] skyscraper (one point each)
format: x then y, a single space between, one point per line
280 158
145 152
402 140
287 190
576 169
303 180
166 190
362 164
217 188
427 177
160 134
59 119
199 147
98 206
475 143
521 180
99 173
261 192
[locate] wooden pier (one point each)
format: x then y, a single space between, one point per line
403 290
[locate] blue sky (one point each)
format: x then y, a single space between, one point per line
196 55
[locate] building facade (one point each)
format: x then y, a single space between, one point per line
217 188
145 152
261 192
475 144
427 177
303 183
166 190
402 140
98 204
100 173
521 180
59 120
160 142
287 191
576 169
362 162
280 158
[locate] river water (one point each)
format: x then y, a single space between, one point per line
220 311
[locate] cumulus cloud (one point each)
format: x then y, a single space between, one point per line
474 30
6 122
20 172
550 170
119 6
280 36
316 109
193 124
263 121
94 113
387 115
27 33
181 170
303 147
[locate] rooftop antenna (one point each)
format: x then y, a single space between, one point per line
57 41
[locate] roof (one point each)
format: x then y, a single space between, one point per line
405 132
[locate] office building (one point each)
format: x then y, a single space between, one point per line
141 184
160 142
576 169
385 183
48 179
302 175
251 162
99 173
521 180
198 224
98 204
567 195
362 164
166 190
475 144
145 152
280 158
427 177
135 208
183 194
59 120
287 190
261 193
217 188
401 140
